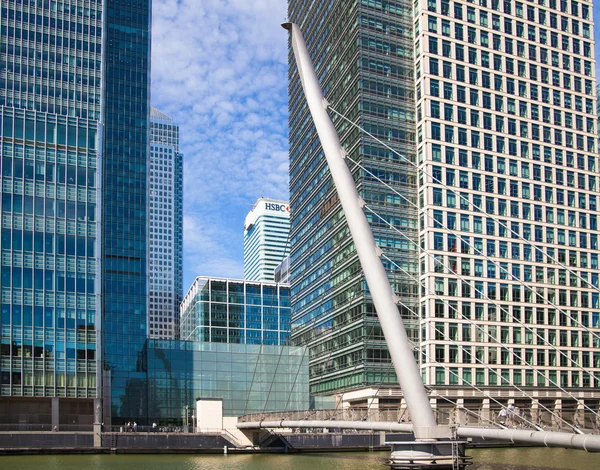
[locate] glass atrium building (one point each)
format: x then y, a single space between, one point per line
234 311
74 91
251 378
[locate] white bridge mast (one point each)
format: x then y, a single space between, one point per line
384 299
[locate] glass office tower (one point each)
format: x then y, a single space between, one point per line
73 97
50 101
363 55
126 110
266 233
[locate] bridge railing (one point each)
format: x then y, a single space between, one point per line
473 415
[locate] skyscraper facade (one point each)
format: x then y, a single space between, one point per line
363 55
166 227
266 231
74 88
504 137
509 192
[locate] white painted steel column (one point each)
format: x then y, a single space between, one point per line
383 297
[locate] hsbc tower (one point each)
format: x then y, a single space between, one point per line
266 231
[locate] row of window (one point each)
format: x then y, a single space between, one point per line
509 63
514 8
464 266
511 126
518 251
514 356
518 210
546 76
513 188
537 233
49 207
529 315
451 92
498 82
503 145
512 293
565 24
538 35
454 156
556 176
512 377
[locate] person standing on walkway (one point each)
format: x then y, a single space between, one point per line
502 416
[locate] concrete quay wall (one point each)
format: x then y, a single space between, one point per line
80 442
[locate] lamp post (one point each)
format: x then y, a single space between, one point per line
186 416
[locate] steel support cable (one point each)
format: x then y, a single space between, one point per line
459 235
484 296
479 327
487 258
476 209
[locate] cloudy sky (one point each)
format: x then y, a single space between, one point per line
219 68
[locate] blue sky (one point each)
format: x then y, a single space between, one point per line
219 68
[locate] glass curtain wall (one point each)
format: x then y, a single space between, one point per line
363 55
124 204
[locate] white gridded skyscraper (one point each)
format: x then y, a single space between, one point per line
266 230
508 162
165 232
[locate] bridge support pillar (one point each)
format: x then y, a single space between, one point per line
579 417
461 416
485 412
556 421
535 413
404 416
433 403
373 409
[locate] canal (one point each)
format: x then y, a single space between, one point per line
484 459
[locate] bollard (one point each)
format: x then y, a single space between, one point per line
224 450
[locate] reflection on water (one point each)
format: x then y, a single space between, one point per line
534 459
484 459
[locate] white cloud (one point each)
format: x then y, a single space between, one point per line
219 68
